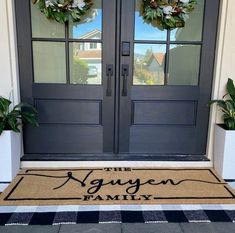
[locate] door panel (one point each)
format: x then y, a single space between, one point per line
169 84
69 112
164 112
163 139
64 139
67 80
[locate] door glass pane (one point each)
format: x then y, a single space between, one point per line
149 63
44 28
85 63
193 27
144 31
90 27
49 62
184 64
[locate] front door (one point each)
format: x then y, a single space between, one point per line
113 84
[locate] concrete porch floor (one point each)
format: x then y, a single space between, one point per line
125 228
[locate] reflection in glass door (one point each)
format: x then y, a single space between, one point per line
53 60
161 57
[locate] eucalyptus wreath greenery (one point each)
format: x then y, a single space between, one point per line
63 10
227 105
22 113
166 14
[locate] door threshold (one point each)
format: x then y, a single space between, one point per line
102 164
114 157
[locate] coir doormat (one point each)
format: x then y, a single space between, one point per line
104 186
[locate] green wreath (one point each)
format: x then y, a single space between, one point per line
166 15
63 10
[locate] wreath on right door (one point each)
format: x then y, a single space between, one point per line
167 15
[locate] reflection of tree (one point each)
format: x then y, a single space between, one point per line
87 18
148 72
79 71
147 55
144 76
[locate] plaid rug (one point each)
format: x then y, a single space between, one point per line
56 215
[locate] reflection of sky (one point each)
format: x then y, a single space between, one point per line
173 34
81 29
144 31
140 49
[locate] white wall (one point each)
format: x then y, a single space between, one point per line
8 56
9 85
227 59
224 64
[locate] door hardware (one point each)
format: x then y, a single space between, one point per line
109 73
125 73
125 48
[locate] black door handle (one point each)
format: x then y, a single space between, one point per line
125 73
109 73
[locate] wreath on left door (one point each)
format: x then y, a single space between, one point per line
63 10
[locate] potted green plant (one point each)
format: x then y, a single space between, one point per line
224 144
11 120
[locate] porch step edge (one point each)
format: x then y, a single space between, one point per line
119 157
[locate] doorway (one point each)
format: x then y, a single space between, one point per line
114 85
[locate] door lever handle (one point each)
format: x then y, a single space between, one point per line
109 73
125 73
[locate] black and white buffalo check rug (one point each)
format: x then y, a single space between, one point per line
56 215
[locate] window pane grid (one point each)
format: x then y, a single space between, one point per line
64 35
186 40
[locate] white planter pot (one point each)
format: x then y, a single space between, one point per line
224 152
10 150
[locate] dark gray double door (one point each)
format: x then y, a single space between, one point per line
137 108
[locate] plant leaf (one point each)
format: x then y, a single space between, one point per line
21 113
4 105
231 89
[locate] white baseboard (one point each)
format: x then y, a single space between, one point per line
3 186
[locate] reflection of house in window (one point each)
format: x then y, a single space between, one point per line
81 46
93 45
90 52
149 68
155 62
155 65
93 35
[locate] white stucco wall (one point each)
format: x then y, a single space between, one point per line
224 63
227 59
9 84
8 57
